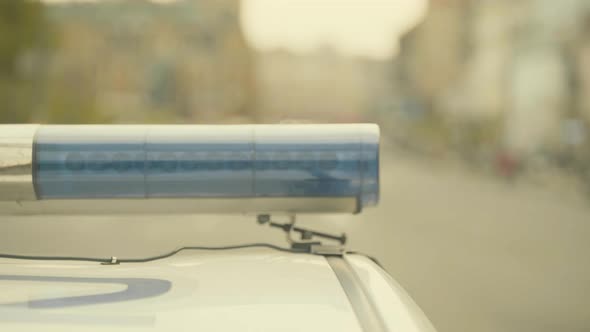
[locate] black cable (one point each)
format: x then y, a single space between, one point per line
151 258
172 253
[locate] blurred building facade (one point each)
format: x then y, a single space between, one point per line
138 61
320 86
501 74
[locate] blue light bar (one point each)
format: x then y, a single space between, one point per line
192 161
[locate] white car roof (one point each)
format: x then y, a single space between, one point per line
200 290
238 290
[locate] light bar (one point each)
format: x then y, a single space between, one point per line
88 169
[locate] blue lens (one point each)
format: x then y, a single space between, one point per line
208 161
90 162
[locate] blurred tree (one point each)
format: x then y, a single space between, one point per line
71 106
24 36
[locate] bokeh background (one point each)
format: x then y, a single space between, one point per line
484 107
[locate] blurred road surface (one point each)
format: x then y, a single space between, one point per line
477 254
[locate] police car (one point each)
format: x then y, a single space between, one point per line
271 172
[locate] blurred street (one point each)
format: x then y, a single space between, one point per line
476 253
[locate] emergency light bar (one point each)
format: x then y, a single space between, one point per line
106 169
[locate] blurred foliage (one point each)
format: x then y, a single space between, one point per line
22 27
27 92
24 31
69 106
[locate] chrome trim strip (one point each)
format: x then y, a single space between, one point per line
360 301
16 160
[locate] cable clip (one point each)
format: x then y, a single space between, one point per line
113 261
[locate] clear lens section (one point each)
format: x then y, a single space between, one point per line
208 161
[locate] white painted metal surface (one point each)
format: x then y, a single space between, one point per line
398 311
238 290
